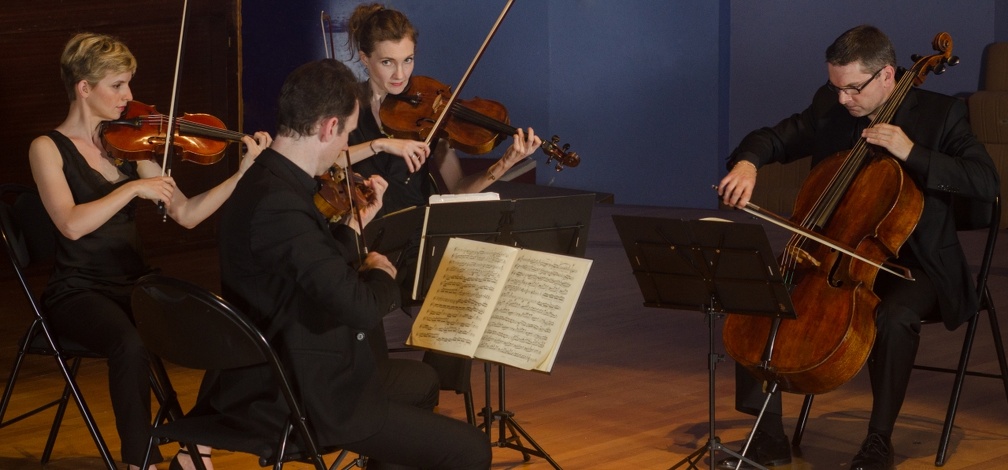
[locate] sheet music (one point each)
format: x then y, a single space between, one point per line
462 296
534 310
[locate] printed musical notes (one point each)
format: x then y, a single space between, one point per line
500 304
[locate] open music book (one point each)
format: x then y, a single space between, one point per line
500 304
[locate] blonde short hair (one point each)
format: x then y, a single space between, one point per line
91 57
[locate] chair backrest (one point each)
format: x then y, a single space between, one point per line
192 327
27 232
975 215
30 231
996 65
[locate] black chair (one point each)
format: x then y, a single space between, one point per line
190 326
970 215
29 238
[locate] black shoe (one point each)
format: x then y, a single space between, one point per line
176 465
876 454
765 450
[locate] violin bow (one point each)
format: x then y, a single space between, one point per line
170 133
465 77
354 212
327 39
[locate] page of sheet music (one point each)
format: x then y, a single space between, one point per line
461 297
534 310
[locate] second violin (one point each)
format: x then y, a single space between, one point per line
473 126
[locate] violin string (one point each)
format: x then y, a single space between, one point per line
206 129
480 119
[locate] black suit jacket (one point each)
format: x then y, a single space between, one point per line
281 265
946 161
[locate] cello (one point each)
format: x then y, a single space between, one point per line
854 211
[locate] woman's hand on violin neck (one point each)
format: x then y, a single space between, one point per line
254 145
525 144
413 152
158 188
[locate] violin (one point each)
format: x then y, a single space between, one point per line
339 193
141 134
473 126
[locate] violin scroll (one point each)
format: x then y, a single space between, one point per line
561 154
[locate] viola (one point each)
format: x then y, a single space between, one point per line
339 193
473 126
141 134
860 198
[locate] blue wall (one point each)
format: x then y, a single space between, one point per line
651 94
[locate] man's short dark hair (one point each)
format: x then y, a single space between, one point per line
864 43
314 92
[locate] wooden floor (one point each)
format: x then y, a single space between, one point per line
629 389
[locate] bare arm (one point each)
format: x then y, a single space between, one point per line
77 220
447 163
189 212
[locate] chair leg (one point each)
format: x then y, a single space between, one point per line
70 374
964 355
998 342
60 412
9 389
469 409
802 420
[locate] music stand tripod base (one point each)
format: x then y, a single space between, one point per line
717 266
507 423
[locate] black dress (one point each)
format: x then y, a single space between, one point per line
407 190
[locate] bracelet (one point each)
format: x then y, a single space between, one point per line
373 151
753 165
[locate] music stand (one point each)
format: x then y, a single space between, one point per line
549 224
712 266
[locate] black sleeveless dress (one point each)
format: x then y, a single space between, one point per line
108 260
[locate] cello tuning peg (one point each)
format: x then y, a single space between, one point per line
953 61
940 69
915 57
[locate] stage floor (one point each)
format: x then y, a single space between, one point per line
629 388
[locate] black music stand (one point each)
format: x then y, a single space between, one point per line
549 224
716 267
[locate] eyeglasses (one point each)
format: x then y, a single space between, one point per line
852 90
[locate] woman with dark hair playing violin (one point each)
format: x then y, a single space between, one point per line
385 41
91 199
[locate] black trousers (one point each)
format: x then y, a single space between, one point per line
413 436
904 304
103 324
